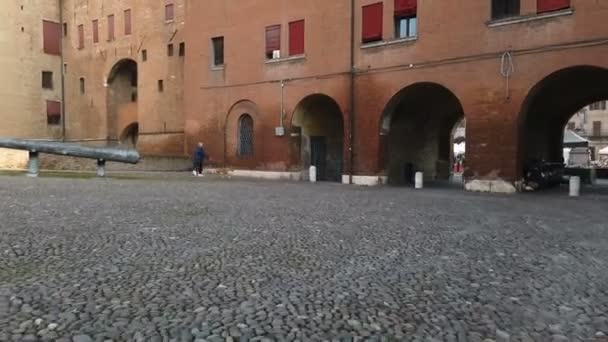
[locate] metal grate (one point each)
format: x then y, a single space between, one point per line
245 134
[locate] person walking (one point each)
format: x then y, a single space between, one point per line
198 159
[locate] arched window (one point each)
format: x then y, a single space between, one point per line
245 136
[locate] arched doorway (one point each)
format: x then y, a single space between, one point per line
417 133
130 135
121 97
319 129
546 124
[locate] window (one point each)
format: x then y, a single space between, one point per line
273 41
82 86
504 9
81 36
571 125
169 12
51 33
372 23
170 50
144 55
47 80
597 128
296 38
598 106
111 27
53 112
406 21
182 49
128 29
218 51
95 31
65 29
161 86
245 136
543 6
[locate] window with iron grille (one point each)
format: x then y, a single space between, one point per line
505 8
245 136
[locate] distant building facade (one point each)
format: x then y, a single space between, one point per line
592 123
367 89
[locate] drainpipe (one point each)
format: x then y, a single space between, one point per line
352 92
282 103
63 129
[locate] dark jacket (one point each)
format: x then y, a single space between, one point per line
199 154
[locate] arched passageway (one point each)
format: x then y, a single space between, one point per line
130 135
549 107
319 128
122 98
417 132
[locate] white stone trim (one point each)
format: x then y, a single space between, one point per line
496 186
524 19
271 175
388 42
365 180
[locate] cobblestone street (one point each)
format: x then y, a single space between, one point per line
205 259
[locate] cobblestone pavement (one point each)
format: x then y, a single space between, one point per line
202 259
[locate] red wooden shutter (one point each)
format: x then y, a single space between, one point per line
296 38
127 22
111 27
406 8
551 5
81 36
169 12
372 22
51 37
273 38
95 31
53 112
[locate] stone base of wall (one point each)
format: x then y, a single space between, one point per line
17 160
13 159
496 186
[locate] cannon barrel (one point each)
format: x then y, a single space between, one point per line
130 156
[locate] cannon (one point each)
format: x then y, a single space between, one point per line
101 154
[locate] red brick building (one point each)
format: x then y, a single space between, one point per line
363 88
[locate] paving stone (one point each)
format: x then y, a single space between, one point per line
190 259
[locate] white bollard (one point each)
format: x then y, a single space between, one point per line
312 174
575 186
419 180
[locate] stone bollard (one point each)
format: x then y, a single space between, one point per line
312 174
33 166
419 180
575 186
101 168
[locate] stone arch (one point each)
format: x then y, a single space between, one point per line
549 105
231 134
318 132
416 129
122 85
130 135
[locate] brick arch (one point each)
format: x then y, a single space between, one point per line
121 98
548 106
415 128
318 120
231 156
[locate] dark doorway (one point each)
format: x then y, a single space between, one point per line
318 156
